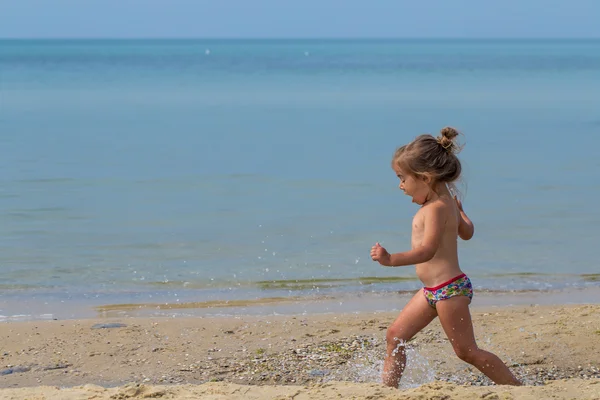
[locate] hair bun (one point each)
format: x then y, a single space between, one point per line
446 139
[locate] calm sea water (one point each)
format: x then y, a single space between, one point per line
197 170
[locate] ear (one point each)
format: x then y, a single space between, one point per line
428 179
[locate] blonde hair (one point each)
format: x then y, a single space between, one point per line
432 157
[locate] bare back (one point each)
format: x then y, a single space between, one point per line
444 264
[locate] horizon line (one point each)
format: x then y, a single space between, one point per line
295 38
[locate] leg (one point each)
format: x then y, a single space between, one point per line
456 320
416 315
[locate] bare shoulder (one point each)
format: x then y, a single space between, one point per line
437 209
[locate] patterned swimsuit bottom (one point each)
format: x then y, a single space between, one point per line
457 286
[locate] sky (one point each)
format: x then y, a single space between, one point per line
299 19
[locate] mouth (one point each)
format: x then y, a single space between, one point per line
412 198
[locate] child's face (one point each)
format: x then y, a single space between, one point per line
412 186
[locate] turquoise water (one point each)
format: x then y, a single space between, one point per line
199 170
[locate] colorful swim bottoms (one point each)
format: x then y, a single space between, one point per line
458 286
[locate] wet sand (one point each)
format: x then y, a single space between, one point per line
555 350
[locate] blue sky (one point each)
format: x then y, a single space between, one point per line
300 18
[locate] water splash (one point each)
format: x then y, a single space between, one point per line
366 366
417 371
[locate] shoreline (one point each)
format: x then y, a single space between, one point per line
335 303
270 354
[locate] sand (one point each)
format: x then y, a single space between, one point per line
555 350
560 389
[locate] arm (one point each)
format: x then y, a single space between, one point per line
433 230
466 229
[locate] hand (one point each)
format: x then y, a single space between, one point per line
458 204
380 254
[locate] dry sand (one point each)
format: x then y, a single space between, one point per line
555 350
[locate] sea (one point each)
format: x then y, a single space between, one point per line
177 177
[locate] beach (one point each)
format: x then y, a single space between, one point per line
552 349
193 218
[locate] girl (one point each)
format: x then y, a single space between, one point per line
426 167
